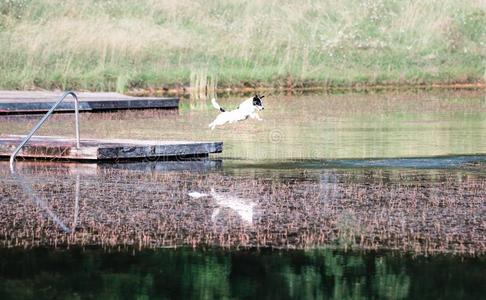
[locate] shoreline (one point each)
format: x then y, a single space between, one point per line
238 89
246 88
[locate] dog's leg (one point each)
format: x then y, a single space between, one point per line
256 116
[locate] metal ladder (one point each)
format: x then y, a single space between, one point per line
41 122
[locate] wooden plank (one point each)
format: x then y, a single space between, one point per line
48 147
35 95
41 102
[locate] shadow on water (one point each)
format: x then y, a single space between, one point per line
213 274
447 162
441 162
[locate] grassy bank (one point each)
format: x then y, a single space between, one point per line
120 45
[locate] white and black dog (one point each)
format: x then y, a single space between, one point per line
247 109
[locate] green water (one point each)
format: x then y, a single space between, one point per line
395 124
400 175
215 274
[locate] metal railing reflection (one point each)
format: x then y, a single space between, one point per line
40 203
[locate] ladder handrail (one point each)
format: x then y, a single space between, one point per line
39 124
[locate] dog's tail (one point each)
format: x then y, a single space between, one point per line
216 105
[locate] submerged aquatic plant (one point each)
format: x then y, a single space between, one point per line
430 213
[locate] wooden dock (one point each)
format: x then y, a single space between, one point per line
26 102
50 147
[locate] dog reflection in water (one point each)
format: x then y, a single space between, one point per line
243 207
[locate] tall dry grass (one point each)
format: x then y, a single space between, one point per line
119 45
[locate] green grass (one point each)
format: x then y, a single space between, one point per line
120 45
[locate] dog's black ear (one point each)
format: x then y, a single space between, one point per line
261 97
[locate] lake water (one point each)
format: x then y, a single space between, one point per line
375 195
249 274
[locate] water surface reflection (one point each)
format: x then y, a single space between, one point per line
211 274
305 205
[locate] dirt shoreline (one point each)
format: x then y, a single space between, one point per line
303 88
182 89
